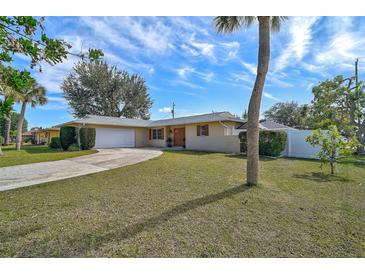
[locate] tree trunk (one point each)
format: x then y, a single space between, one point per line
19 129
7 131
255 101
332 168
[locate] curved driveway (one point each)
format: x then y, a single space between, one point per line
38 173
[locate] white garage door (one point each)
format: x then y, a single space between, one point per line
113 137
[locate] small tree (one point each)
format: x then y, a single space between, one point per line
333 145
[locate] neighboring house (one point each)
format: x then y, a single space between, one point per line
45 135
208 132
28 135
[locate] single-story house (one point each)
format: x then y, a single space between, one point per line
210 132
215 131
45 135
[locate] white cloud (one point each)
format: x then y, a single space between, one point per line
183 72
250 67
273 78
232 48
270 96
242 77
165 110
300 30
342 47
205 49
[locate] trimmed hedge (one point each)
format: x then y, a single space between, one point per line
271 143
67 137
55 142
87 138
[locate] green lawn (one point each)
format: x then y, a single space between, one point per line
185 204
34 154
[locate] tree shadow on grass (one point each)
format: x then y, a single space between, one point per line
135 229
320 177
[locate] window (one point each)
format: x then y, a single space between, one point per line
202 130
156 134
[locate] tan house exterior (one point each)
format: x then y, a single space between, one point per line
206 132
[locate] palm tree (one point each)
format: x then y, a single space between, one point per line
8 93
229 24
35 95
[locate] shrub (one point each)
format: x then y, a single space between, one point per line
1 140
87 138
67 137
27 140
73 147
271 143
55 143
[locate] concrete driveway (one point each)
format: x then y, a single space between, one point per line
38 173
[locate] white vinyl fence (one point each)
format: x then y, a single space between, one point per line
296 146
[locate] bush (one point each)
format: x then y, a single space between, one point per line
55 143
73 147
27 140
271 143
87 138
67 137
1 140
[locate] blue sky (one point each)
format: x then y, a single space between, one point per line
185 61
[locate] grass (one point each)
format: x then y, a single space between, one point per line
35 154
185 204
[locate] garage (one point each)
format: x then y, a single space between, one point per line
114 137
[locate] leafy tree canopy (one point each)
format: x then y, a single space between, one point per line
99 89
26 35
290 114
333 145
341 102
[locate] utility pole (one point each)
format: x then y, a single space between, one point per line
356 71
173 110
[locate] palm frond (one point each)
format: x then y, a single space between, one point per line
229 24
276 22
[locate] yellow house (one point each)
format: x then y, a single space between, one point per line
45 135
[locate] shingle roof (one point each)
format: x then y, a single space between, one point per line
266 125
203 118
116 121
109 121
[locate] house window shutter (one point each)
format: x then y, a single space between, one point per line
197 130
162 133
150 134
207 130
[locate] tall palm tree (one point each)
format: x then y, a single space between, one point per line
229 24
35 95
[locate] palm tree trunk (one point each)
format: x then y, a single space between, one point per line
19 129
7 131
255 101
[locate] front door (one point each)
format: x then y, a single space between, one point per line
179 137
